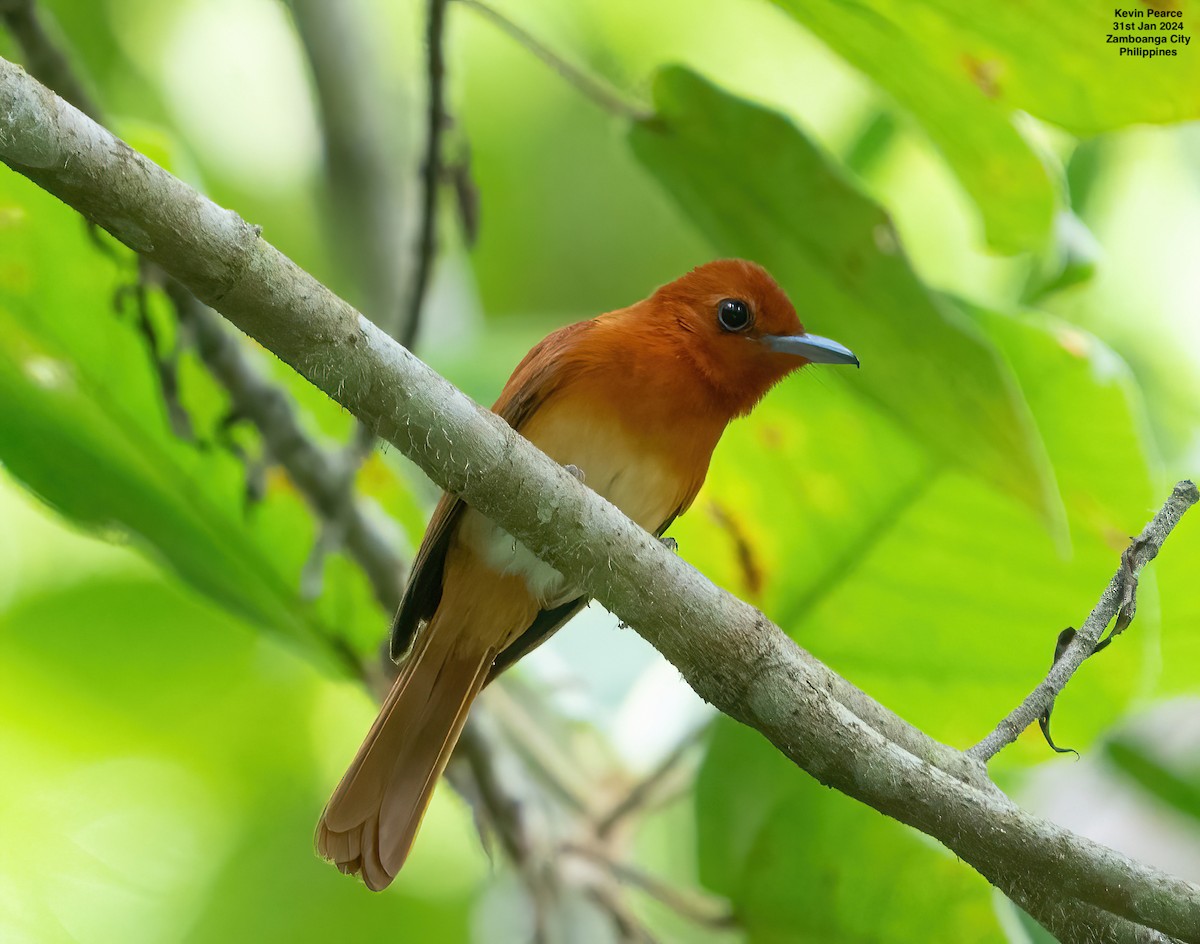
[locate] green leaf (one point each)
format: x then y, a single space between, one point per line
1051 60
961 72
82 424
915 57
804 863
923 586
758 188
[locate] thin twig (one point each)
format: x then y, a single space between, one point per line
314 470
599 92
364 199
1116 600
641 795
696 907
431 171
496 805
531 741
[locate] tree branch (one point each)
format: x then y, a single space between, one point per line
1117 601
728 651
431 169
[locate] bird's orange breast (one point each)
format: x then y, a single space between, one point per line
634 458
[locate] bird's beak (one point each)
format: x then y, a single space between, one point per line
812 347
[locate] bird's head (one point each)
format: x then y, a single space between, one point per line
739 329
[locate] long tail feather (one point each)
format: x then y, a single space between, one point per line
371 820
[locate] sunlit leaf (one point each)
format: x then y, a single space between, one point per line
83 425
758 188
961 73
804 863
937 595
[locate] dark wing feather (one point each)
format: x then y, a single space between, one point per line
537 376
424 590
544 625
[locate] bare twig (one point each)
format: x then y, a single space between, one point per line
165 364
498 807
697 907
365 200
644 792
1117 601
539 749
431 170
727 651
589 86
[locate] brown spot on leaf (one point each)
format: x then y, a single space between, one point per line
985 73
770 436
747 559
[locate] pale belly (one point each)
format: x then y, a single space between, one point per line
643 486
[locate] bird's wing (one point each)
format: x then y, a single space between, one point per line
538 375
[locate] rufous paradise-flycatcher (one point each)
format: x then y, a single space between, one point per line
635 400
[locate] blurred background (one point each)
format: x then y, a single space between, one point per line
1006 234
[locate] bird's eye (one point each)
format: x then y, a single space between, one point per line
733 314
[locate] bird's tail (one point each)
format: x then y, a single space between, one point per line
372 818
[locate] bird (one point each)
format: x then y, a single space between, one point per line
633 402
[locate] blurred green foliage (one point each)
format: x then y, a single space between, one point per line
961 197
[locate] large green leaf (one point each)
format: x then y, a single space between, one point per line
945 61
758 188
930 590
962 70
82 424
935 594
803 863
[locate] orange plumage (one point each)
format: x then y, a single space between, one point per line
635 399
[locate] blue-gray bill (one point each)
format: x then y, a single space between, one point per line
812 347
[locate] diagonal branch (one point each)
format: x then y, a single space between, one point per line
728 651
1117 601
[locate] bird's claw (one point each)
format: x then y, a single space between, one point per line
575 471
670 544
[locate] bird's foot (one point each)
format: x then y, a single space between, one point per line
670 544
575 471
